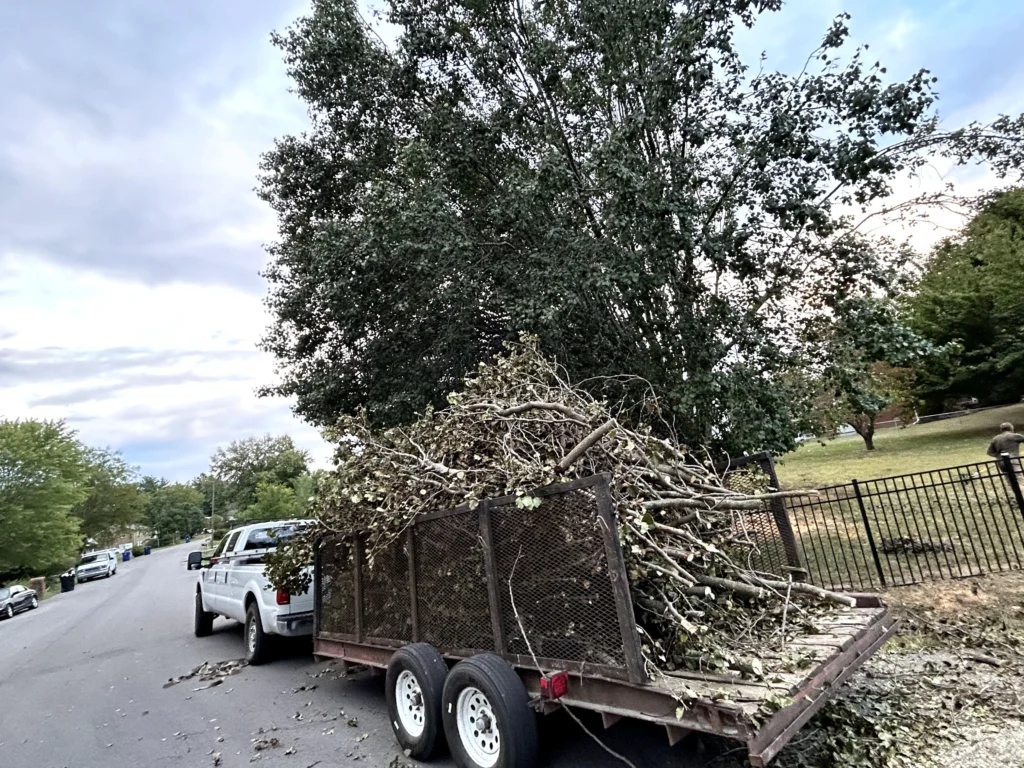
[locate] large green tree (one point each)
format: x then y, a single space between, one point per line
175 510
241 467
43 471
273 502
610 176
970 296
114 501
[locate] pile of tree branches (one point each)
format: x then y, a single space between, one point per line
518 425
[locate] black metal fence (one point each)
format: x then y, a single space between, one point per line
895 531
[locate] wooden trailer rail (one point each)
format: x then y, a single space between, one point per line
450 581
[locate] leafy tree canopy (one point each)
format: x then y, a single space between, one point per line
43 468
244 464
862 349
610 176
176 510
273 502
114 501
970 296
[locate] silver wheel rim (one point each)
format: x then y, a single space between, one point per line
10 612
478 727
252 636
35 603
411 707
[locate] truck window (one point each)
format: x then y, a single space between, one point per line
270 537
232 538
220 547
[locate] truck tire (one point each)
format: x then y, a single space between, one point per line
257 642
204 619
487 715
414 686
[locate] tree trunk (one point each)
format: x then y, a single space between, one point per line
864 425
869 438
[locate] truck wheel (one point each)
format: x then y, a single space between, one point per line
257 642
415 683
204 619
487 715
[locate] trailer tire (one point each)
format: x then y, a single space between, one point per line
485 689
414 686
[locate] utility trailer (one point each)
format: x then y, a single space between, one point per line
461 586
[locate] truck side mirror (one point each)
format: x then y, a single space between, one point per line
195 561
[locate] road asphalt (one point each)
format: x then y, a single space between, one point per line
82 686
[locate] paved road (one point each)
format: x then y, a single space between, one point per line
81 686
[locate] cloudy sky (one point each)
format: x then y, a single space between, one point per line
130 237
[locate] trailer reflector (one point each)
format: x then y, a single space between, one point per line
555 685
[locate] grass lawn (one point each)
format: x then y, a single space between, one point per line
948 443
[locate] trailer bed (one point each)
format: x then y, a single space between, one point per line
469 564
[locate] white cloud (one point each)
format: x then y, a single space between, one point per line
136 365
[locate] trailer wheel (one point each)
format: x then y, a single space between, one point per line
487 715
415 682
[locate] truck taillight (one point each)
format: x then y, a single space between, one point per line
555 685
283 598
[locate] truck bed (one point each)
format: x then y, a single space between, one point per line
447 582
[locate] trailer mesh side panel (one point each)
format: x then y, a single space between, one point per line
451 583
337 588
768 531
554 559
387 611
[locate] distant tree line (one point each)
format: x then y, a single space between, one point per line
59 496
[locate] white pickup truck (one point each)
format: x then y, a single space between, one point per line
234 585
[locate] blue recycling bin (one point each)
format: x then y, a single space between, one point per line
126 555
146 550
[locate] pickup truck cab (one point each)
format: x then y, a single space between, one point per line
234 585
96 565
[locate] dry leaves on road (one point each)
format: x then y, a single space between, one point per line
210 670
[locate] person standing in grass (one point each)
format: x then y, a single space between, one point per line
1008 442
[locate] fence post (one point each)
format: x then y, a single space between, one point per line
1006 464
867 529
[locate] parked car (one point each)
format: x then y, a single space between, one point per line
235 586
96 565
17 599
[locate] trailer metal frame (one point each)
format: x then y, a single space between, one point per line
574 598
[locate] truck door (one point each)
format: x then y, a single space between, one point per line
240 574
215 578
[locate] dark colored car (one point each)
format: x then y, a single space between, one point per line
17 599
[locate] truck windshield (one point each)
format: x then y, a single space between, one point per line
98 557
270 537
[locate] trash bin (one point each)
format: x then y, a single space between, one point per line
126 556
146 550
67 582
